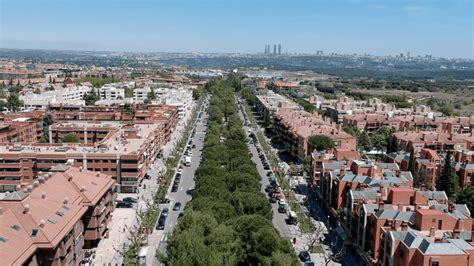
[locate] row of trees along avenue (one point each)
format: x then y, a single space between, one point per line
229 220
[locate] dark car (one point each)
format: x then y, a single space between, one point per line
269 173
304 256
165 212
178 176
164 200
273 198
190 191
161 223
124 204
175 187
194 146
181 214
266 167
177 206
282 209
130 199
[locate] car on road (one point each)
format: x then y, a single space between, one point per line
309 263
266 166
194 146
124 204
304 256
190 191
276 189
177 206
179 171
273 198
278 196
269 173
165 212
181 214
130 199
187 161
175 187
282 208
164 200
178 176
161 223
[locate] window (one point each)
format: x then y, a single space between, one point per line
60 213
435 263
3 239
34 232
52 220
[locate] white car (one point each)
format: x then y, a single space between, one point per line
179 171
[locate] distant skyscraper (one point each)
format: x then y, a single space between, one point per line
279 48
274 49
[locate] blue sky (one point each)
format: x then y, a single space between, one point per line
439 27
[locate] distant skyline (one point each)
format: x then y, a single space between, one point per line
442 28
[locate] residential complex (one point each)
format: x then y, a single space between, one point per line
52 220
68 95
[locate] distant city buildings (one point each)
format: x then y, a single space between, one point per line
276 49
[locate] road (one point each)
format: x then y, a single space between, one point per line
278 219
158 239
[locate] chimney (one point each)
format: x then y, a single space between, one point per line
26 208
342 171
404 226
41 223
456 233
80 169
432 232
381 205
451 207
66 201
43 194
400 207
36 183
1 211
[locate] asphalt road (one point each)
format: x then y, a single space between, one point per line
186 183
278 219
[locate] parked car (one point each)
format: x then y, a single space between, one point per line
124 204
276 189
161 223
278 196
304 256
164 200
130 199
181 214
273 198
175 187
165 212
282 208
177 206
266 167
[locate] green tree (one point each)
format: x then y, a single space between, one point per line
13 102
150 96
91 97
364 142
320 142
71 138
446 110
267 122
422 179
412 166
128 92
448 181
466 196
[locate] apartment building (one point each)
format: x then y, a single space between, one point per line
294 128
167 115
438 141
52 220
68 95
369 122
141 94
20 130
110 92
124 151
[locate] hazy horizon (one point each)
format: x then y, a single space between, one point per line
437 27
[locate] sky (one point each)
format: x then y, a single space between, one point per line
442 28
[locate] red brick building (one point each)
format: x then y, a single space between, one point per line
53 220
